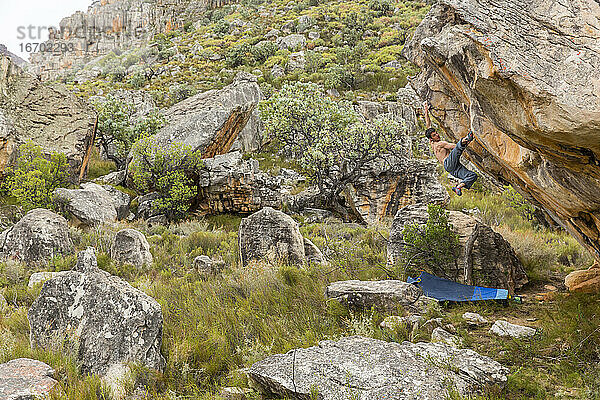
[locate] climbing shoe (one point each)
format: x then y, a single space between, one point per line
457 190
468 139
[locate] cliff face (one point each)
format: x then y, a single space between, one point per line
48 115
525 76
112 25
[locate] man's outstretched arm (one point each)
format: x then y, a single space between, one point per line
426 112
447 145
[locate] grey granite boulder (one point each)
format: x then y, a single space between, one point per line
505 328
485 258
313 253
114 178
474 319
102 317
36 238
272 235
368 369
386 295
291 42
25 379
93 204
130 246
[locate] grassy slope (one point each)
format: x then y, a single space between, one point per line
215 326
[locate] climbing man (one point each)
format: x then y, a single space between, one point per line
449 154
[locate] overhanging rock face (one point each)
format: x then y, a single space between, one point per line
528 73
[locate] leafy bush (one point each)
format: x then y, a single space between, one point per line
326 137
118 129
34 177
431 247
171 171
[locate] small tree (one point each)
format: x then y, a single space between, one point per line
118 129
328 138
33 178
171 171
431 247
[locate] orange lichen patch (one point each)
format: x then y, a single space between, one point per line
117 24
388 198
228 133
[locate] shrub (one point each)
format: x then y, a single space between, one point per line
118 129
34 177
431 247
326 137
171 171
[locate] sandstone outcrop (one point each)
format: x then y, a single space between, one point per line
102 318
131 247
525 77
25 379
505 328
365 368
228 183
584 281
47 115
385 295
485 257
217 121
36 238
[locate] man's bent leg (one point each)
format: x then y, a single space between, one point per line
452 162
468 177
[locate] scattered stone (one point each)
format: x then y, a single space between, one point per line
440 335
411 322
206 266
474 319
145 205
100 317
277 71
25 379
118 377
296 61
314 35
116 178
121 201
92 204
313 254
235 393
38 278
376 370
385 295
305 22
485 257
505 328
289 27
160 219
550 288
36 238
291 42
273 34
130 246
584 281
431 324
270 234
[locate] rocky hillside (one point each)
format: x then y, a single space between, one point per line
532 100
15 59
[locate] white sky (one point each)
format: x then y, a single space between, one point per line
39 13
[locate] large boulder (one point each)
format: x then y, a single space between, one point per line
103 318
370 369
525 77
131 247
25 379
385 295
485 257
93 204
272 235
36 238
217 121
46 114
